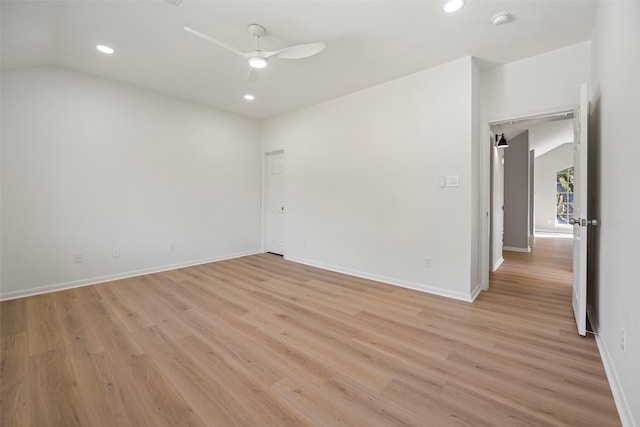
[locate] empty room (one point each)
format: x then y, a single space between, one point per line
319 213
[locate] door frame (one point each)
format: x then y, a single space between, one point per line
487 142
265 197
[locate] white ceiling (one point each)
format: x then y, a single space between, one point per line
368 42
545 137
545 133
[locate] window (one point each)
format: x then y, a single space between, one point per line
564 196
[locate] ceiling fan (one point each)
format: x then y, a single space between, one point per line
258 58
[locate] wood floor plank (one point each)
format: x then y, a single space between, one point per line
78 337
324 409
266 407
15 396
331 355
204 391
43 324
386 411
55 398
430 408
491 411
160 399
13 317
260 340
128 313
113 402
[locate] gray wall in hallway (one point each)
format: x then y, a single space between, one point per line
516 192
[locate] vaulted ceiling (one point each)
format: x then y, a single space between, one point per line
368 42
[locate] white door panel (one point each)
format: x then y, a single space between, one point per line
275 203
580 194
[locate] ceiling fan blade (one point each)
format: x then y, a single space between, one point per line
216 42
254 74
298 52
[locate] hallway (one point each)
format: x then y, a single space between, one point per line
537 286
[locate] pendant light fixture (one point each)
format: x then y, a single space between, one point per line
502 143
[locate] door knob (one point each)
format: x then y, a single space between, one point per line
583 222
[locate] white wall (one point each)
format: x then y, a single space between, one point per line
547 166
516 194
89 165
362 180
539 84
615 137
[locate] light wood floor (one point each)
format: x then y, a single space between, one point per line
265 342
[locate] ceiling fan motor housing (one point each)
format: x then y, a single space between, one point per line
256 30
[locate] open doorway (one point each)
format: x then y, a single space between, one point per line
580 121
530 181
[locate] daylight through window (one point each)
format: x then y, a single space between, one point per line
564 196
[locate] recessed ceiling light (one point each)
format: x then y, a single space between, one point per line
105 49
249 97
257 62
453 5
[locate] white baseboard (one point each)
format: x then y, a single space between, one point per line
497 264
391 281
622 404
514 249
559 230
476 291
4 296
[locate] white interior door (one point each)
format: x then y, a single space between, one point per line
275 203
580 215
497 206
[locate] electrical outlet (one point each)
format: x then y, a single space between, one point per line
77 258
172 246
427 262
116 253
623 341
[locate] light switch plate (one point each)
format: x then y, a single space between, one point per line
453 181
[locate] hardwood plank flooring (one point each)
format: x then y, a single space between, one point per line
260 341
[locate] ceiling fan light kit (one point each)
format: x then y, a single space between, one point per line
453 5
257 62
258 58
